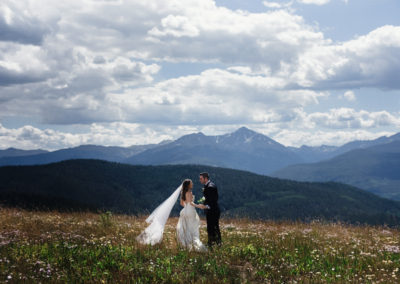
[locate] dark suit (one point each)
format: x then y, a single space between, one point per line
210 192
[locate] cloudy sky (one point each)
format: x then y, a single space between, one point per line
114 72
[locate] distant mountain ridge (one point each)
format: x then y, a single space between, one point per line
107 153
13 152
375 168
242 149
94 185
319 153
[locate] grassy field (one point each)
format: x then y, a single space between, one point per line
85 247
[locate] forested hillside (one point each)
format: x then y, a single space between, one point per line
99 185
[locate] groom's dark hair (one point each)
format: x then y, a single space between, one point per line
205 175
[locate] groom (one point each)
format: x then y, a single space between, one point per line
211 207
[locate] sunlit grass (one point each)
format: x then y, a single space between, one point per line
87 247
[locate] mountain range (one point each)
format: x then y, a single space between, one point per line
243 149
94 185
39 157
247 150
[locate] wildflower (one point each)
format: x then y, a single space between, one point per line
370 276
390 248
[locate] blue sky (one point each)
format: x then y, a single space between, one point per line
303 72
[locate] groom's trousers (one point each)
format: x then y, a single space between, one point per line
214 234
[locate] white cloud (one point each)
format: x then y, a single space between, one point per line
175 26
28 137
276 5
272 4
99 62
241 69
232 37
109 134
99 53
297 138
315 2
372 60
21 63
350 96
278 41
128 134
229 96
345 118
19 23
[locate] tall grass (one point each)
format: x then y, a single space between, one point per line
85 247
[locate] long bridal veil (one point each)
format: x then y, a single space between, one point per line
157 219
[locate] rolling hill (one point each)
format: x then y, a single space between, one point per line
375 169
100 185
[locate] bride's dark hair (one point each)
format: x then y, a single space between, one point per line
185 188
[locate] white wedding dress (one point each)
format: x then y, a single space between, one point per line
187 229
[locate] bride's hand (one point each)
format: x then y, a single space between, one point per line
196 205
201 206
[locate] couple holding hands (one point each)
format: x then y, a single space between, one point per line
187 229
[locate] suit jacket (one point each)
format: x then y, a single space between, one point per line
210 192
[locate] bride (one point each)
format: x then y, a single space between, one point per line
188 225
187 229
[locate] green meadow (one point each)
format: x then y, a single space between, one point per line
51 247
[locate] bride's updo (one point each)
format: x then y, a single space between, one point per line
185 187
